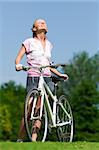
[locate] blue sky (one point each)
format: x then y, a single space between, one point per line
73 27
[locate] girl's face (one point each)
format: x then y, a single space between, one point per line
40 24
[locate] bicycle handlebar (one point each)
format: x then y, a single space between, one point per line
26 68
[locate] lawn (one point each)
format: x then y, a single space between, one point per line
49 146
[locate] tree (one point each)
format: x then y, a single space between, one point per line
5 123
83 90
11 106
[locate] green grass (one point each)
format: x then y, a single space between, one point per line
49 146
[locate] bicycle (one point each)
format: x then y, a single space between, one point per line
58 116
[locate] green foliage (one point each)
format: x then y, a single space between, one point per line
83 91
11 108
5 124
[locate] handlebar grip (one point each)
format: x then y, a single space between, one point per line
25 68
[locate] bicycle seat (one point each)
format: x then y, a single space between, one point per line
56 78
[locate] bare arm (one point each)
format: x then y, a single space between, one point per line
55 71
19 57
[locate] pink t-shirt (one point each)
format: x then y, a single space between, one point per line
38 56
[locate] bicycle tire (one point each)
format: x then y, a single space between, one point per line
65 132
29 123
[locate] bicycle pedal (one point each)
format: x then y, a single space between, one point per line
50 125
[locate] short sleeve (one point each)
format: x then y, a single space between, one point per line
51 46
26 44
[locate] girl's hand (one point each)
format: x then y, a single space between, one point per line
18 67
64 76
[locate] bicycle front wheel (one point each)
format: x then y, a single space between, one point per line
64 120
31 99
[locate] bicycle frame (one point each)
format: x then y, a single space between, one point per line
44 89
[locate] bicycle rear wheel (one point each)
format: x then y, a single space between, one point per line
31 98
64 120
